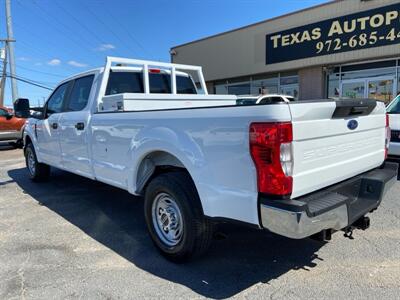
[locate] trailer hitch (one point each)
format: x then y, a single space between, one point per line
362 223
348 232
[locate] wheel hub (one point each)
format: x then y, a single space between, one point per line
31 162
167 219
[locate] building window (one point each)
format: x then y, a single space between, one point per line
239 89
378 80
289 86
220 89
265 86
333 85
257 85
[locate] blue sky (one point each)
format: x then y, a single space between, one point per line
57 38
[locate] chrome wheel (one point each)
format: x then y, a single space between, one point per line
167 219
31 161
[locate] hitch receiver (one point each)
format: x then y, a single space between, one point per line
362 223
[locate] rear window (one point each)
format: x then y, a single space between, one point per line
184 85
159 83
132 82
124 82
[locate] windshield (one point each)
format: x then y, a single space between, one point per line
394 106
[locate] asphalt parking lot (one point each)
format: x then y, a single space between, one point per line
75 238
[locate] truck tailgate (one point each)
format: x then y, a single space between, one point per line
328 149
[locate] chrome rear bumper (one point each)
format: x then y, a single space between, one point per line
335 207
298 225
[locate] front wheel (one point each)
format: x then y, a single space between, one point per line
37 170
175 218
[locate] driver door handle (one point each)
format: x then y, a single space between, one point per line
54 125
80 126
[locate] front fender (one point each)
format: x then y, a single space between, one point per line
28 130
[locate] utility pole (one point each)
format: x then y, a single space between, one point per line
4 74
10 45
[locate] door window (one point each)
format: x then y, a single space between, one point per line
80 93
56 100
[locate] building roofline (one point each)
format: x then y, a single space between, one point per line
257 23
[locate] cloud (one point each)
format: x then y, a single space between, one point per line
105 47
77 64
54 62
24 58
38 64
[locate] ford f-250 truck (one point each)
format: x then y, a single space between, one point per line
297 169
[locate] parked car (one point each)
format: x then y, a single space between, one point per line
264 99
296 169
393 110
11 127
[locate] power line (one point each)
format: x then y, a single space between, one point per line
60 23
39 53
106 26
128 33
29 82
44 12
47 21
80 23
35 81
26 80
41 72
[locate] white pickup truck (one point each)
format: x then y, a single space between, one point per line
393 110
298 169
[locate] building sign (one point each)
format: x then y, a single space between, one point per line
368 29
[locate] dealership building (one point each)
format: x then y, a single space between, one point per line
342 48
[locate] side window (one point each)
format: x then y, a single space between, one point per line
80 93
56 101
159 83
184 85
124 82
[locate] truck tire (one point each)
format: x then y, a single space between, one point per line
37 171
174 217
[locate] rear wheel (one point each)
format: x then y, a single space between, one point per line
175 218
37 171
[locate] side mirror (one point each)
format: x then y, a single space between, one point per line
9 116
22 108
38 113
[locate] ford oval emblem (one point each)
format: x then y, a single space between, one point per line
352 124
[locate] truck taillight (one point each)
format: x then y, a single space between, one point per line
388 135
271 150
